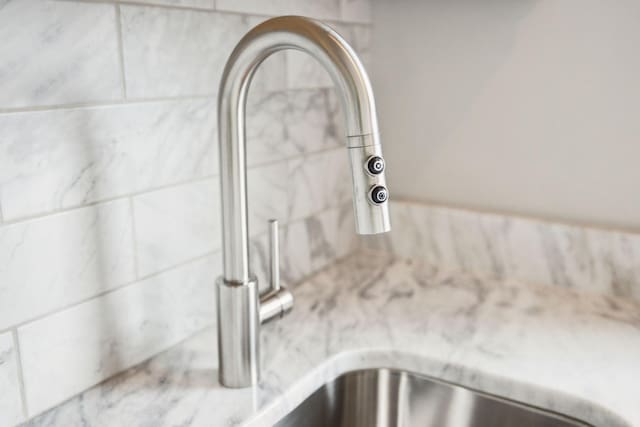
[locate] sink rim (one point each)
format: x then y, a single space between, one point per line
396 371
332 366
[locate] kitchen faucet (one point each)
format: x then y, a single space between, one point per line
241 310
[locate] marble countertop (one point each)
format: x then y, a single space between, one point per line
577 354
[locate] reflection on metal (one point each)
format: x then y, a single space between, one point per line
241 310
390 398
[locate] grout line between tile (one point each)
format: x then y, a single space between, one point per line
180 264
133 101
114 289
105 200
105 103
23 391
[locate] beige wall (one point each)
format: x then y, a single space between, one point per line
530 107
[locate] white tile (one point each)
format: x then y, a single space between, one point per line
10 400
94 340
57 52
314 120
51 262
305 72
318 182
331 235
319 9
202 4
271 74
356 10
282 125
296 253
306 245
171 52
268 188
267 136
176 224
64 158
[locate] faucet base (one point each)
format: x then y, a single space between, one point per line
238 333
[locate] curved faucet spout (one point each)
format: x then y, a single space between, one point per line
354 90
238 303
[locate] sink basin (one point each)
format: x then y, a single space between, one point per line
390 398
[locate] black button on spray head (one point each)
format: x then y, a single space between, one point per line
379 194
375 165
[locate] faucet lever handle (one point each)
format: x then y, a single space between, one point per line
277 301
274 256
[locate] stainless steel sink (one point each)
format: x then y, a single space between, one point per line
389 398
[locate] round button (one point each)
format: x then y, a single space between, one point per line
379 194
375 165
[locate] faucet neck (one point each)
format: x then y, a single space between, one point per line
353 87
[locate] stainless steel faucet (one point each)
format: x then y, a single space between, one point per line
241 310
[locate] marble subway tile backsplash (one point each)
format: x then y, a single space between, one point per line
74 43
50 262
506 247
283 125
176 224
96 339
172 52
109 178
58 159
319 181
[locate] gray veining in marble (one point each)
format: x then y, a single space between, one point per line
268 196
282 125
304 71
312 187
306 245
113 191
551 347
171 52
51 262
75 42
96 339
315 121
64 158
10 402
176 224
529 250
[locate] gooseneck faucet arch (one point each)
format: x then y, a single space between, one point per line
240 309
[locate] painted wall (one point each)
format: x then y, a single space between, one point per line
109 198
527 107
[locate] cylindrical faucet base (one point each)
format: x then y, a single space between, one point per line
238 333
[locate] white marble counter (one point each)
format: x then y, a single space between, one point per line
578 354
